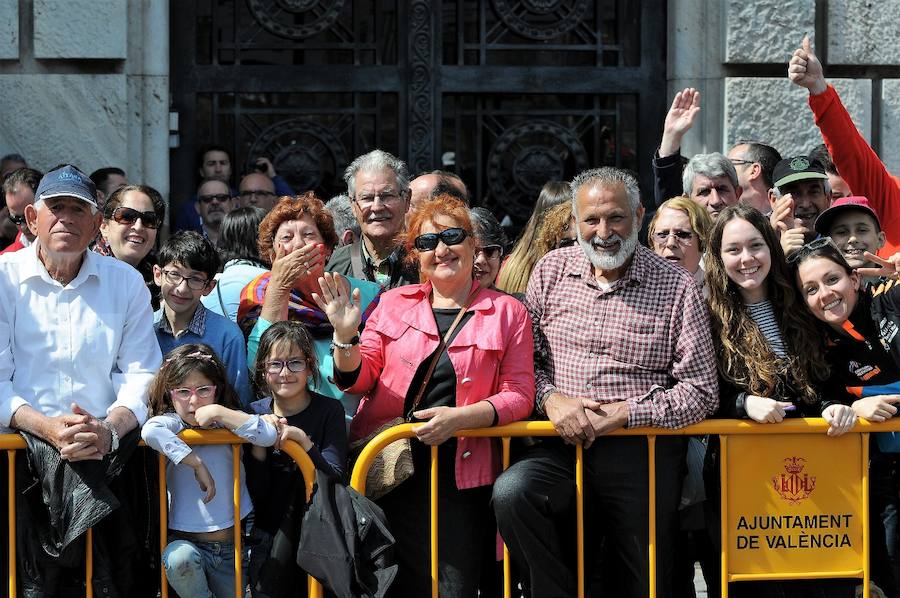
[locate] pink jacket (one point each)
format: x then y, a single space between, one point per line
492 355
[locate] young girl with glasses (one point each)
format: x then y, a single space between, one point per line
191 391
285 360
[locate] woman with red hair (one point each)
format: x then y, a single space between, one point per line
476 344
297 238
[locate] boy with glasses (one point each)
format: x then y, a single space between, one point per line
187 265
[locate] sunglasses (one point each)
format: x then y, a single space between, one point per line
490 252
566 242
17 220
202 392
681 236
128 216
450 236
293 365
219 197
800 254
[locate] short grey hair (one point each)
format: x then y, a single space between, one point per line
607 176
711 165
377 160
344 219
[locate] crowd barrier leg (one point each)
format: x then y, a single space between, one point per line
236 475
11 520
579 517
163 525
651 508
89 564
507 568
433 500
723 514
867 565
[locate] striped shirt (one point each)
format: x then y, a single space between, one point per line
764 316
645 340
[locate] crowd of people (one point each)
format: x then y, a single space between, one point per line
767 289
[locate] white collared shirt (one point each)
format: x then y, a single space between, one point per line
89 342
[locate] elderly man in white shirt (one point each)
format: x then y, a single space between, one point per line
77 346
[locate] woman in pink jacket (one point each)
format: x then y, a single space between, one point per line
483 377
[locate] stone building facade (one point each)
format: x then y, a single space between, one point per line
88 81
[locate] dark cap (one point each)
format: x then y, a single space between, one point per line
67 181
844 204
798 168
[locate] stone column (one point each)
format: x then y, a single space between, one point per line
86 82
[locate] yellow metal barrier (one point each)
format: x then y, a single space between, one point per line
13 442
723 428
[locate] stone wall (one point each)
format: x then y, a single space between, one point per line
86 81
736 53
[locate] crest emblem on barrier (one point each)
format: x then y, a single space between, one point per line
793 485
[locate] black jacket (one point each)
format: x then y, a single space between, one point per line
342 540
58 501
349 261
875 359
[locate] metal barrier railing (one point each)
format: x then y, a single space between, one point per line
13 442
716 427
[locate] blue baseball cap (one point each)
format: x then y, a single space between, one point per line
67 181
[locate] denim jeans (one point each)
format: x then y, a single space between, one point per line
201 569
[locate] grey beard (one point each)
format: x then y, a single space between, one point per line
616 260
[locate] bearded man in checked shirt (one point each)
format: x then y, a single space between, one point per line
621 339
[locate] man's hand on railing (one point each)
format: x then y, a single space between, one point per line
85 438
840 417
605 418
569 416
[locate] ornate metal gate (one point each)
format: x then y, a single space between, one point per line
508 93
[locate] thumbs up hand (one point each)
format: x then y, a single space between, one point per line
805 70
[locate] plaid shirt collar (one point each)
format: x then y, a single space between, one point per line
197 324
582 267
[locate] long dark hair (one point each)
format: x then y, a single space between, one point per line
237 238
744 356
180 363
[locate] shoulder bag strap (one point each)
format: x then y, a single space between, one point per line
437 354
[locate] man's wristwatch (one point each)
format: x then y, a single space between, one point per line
113 436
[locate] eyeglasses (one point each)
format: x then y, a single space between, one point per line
566 242
293 365
386 197
450 236
261 193
128 216
201 392
798 255
17 220
741 161
490 252
682 236
194 283
219 197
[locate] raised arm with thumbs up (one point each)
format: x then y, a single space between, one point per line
805 70
859 166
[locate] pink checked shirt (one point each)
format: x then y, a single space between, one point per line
646 340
